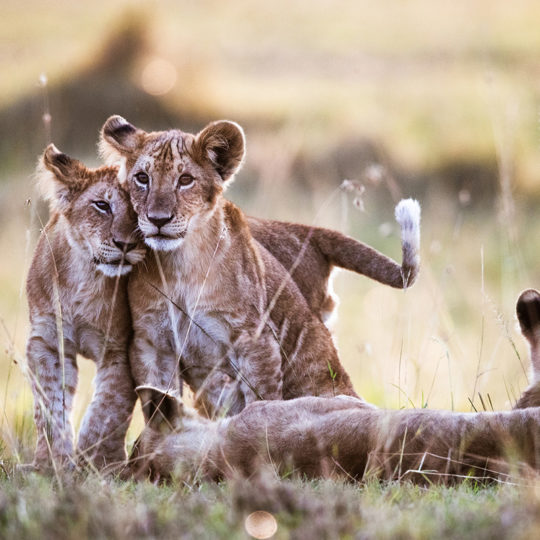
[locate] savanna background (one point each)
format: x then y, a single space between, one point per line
439 101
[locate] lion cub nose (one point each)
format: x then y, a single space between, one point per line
124 246
159 220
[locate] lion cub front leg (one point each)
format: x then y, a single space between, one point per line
258 359
104 427
219 393
53 376
152 362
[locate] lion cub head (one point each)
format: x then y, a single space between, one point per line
174 178
94 209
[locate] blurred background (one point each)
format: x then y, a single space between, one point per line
434 100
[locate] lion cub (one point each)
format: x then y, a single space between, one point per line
215 300
77 300
332 437
308 253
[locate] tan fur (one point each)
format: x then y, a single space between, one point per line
77 306
234 312
319 437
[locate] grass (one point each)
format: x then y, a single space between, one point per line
428 85
448 340
90 507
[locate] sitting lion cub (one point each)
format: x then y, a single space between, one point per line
77 299
331 437
214 301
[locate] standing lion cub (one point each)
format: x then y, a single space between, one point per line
77 299
214 305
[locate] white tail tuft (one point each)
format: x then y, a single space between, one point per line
408 216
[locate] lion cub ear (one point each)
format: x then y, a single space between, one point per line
59 177
224 144
162 411
119 139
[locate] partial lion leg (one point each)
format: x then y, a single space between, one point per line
53 376
218 394
151 364
528 313
259 366
104 427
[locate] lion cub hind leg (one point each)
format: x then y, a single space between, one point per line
53 378
218 394
528 314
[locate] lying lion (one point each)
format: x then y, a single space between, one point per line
328 437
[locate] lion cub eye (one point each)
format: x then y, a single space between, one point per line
102 206
185 180
142 178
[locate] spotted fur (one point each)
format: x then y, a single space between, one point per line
77 299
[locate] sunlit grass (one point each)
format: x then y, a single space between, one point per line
452 335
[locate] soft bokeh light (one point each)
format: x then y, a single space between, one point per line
158 77
261 525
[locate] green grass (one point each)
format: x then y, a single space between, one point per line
90 507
